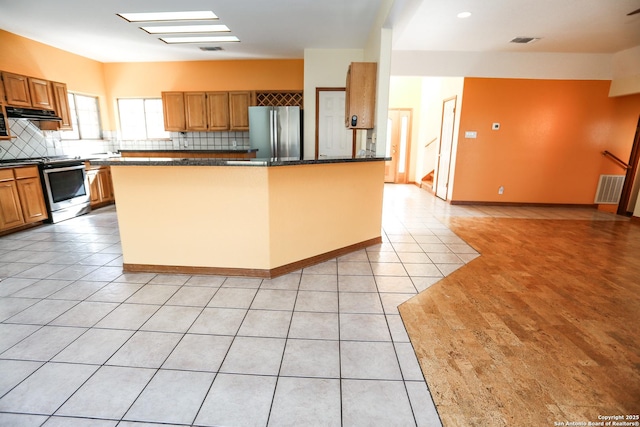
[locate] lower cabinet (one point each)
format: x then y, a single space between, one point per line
100 185
21 197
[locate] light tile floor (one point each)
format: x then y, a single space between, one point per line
82 344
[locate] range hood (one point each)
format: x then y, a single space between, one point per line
32 114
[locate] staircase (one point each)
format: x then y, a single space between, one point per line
427 182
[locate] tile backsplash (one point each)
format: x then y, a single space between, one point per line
29 141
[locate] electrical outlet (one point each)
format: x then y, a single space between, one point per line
234 144
501 190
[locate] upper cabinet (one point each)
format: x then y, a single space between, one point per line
29 92
16 90
173 111
195 104
206 111
41 95
218 110
360 101
239 103
61 105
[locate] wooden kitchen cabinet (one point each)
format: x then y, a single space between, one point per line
173 111
10 209
218 111
3 98
100 186
31 195
206 111
41 94
61 105
5 131
16 89
21 197
195 111
360 100
239 103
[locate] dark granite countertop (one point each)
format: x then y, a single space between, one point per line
187 150
168 161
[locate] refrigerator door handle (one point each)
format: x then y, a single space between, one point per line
272 137
276 131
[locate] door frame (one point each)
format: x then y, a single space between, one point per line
436 175
629 180
317 142
407 160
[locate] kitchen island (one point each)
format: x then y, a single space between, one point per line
260 218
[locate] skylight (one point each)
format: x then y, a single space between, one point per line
177 19
199 39
168 16
175 29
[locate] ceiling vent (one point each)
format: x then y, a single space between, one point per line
211 48
525 40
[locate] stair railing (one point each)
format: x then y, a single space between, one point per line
616 159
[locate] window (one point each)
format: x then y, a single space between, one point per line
85 116
141 119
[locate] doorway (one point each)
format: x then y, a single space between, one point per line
398 145
629 180
446 146
333 139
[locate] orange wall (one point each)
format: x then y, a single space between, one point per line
137 79
110 81
24 56
548 148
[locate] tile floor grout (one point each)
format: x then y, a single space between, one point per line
266 356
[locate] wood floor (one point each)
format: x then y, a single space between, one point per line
543 328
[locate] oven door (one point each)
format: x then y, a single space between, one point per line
67 191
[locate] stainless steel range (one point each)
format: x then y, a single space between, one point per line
65 185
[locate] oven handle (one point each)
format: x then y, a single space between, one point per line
51 168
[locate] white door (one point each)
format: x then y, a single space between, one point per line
334 139
446 142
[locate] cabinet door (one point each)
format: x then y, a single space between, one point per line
32 200
10 210
104 181
41 95
94 186
196 110
16 90
3 98
31 194
239 103
173 109
5 133
61 103
218 110
361 95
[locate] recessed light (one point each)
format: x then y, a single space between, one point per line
464 14
168 16
524 40
172 29
199 39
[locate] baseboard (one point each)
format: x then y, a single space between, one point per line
250 272
524 204
635 219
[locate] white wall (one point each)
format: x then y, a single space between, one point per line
626 72
575 66
323 68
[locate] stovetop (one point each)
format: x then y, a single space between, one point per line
51 160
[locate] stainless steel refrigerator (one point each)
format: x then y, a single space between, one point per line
276 132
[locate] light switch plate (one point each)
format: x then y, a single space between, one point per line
470 134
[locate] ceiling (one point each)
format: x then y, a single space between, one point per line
284 28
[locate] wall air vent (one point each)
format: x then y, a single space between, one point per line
609 189
525 40
211 48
